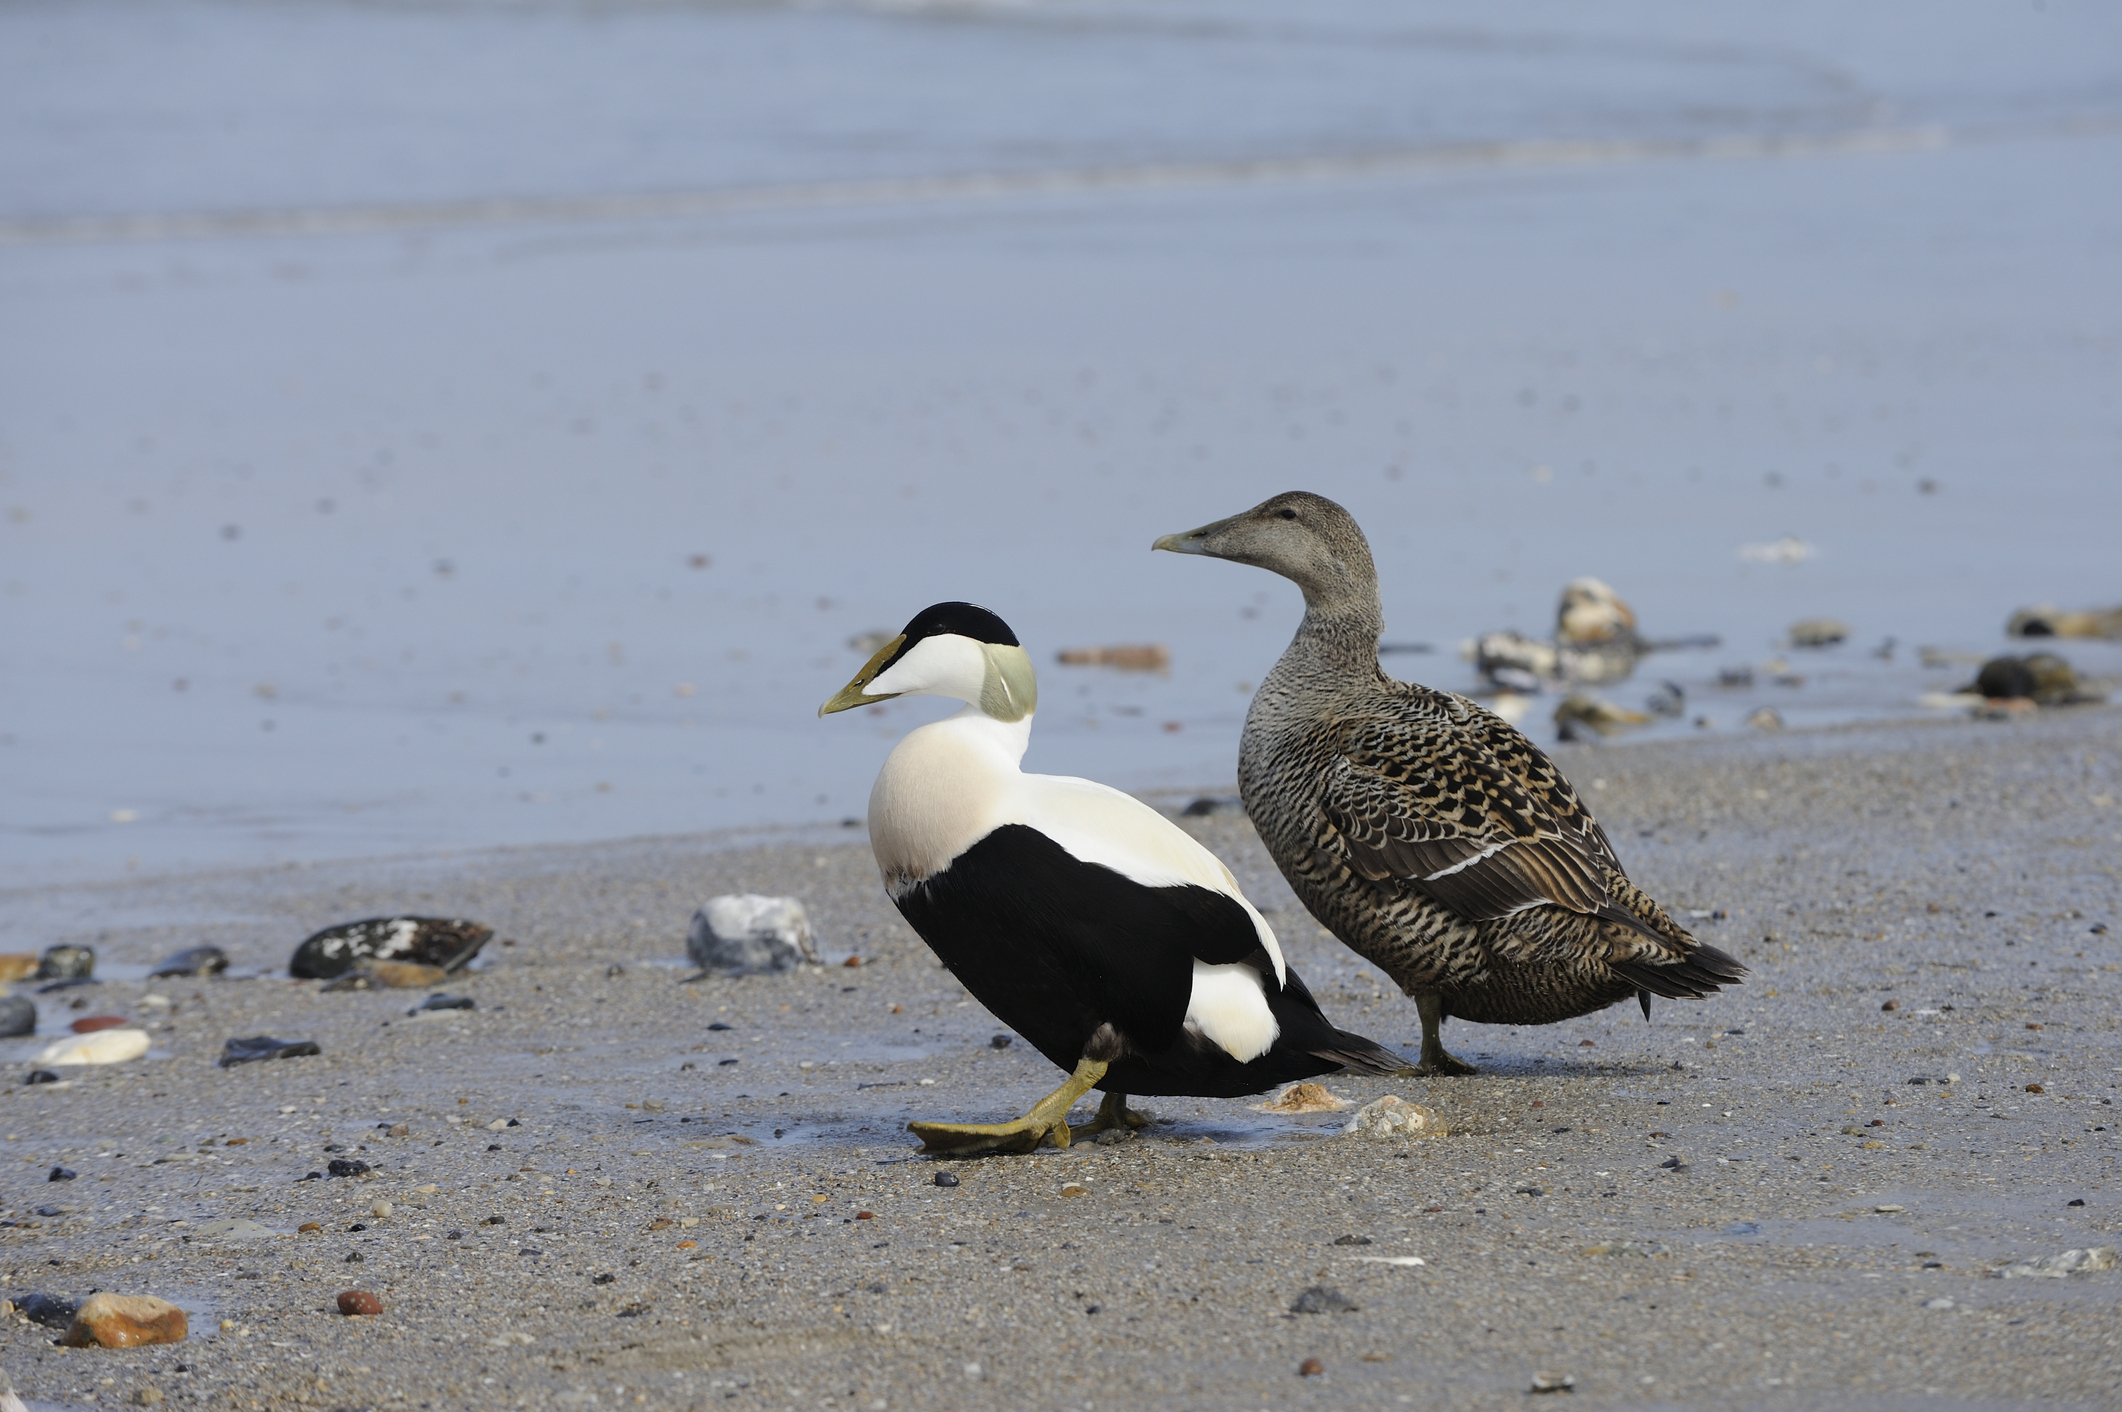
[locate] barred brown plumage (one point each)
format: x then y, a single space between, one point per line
1425 832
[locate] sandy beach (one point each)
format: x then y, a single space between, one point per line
674 1216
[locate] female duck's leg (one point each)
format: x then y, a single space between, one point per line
1436 1063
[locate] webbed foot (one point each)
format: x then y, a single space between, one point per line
1047 1122
1114 1113
1441 1065
1436 1063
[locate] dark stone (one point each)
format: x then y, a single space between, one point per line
347 1167
1351 1240
61 1174
49 1211
66 963
355 1302
311 1177
427 941
1674 1164
604 1279
495 1221
530 1250
263 1046
18 1016
1323 1299
54 1311
2075 1201
193 961
1000 1041
41 1076
718 1025
356 1226
353 1257
946 1179
444 1002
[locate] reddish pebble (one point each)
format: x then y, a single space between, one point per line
358 1301
852 961
1539 1103
89 1024
1310 1368
865 1215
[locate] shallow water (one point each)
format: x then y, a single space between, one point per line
382 539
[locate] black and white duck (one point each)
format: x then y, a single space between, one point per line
1424 831
1103 933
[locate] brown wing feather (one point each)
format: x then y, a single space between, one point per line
1455 800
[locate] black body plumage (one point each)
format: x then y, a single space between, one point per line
1058 948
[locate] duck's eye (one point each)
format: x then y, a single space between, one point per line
1286 513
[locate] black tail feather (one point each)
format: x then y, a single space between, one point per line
1357 1055
1703 971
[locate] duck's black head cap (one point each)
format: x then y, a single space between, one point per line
964 620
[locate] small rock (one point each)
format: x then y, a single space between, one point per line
1768 718
1939 1303
1553 1382
310 1228
62 1174
1528 1189
1675 1163
18 1016
2050 621
746 933
1000 1041
397 1130
1818 632
66 963
193 961
1393 1117
2075 1201
2068 1262
1323 1299
263 1046
1352 1240
125 1321
17 966
1075 1189
946 1179
41 1076
102 1047
382 1210
89 1024
53 1311
356 1302
2035 1088
146 1396
429 941
347 1167
444 1002
1310 1368
2043 678
1890 1006
1303 1098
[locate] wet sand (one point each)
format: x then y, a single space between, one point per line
667 1228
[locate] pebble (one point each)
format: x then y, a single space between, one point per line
748 933
1768 718
1818 632
1393 1117
193 961
66 963
444 1002
146 1396
1310 1368
2068 1262
2043 678
16 966
445 942
353 1302
102 1047
1323 1299
1352 1240
946 1179
1552 1382
1000 1041
18 1016
347 1167
1939 1303
89 1024
53 1311
263 1046
1075 1189
382 1210
41 1076
62 1174
125 1321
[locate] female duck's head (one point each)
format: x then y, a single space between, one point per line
957 650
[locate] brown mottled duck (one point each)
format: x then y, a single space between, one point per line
1425 832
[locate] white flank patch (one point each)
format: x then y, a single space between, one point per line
1229 1007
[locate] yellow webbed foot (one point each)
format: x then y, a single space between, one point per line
1047 1122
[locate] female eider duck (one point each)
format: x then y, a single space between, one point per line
1084 919
1424 831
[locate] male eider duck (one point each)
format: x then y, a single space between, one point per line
1084 919
1420 829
